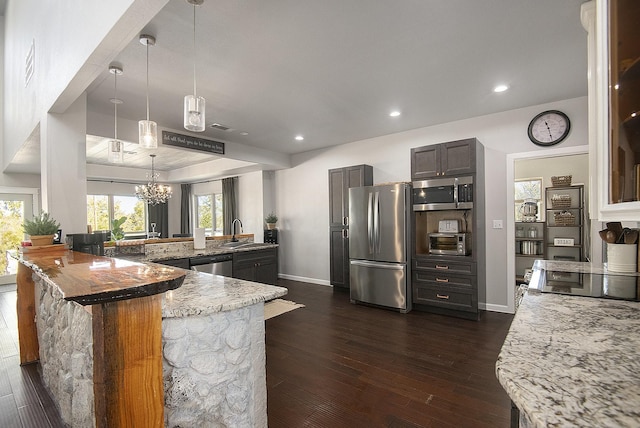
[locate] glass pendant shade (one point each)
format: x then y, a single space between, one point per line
194 113
148 129
148 134
116 152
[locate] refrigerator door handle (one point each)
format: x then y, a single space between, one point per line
376 222
370 225
378 265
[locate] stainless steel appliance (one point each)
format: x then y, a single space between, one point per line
443 194
455 244
380 268
219 264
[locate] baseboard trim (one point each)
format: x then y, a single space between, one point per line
305 279
497 308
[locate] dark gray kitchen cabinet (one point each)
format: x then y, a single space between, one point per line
443 160
257 266
340 180
448 284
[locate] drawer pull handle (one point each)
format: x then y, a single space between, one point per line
442 296
442 267
442 280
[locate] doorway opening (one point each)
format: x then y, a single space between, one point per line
542 165
15 206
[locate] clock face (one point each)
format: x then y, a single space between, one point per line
549 128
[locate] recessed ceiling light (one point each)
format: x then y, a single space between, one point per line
299 138
500 88
244 133
394 113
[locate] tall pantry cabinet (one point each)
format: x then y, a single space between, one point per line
340 180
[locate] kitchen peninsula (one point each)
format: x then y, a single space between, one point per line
573 360
199 345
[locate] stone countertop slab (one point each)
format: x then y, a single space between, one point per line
178 250
573 361
205 294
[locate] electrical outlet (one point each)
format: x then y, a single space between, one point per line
497 224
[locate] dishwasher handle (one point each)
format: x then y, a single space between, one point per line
205 260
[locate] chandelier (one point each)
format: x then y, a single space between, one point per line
153 193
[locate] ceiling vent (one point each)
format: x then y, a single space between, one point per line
221 127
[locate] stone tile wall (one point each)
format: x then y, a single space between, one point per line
214 369
66 354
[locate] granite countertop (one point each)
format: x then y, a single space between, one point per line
204 294
573 361
156 252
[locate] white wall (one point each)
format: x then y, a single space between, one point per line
302 191
74 42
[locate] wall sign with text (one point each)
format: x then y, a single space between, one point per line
189 142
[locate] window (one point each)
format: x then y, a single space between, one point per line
209 213
529 189
102 209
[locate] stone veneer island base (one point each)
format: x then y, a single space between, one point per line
213 352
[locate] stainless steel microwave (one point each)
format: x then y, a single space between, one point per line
454 244
443 194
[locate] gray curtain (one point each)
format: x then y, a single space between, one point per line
185 209
229 203
159 214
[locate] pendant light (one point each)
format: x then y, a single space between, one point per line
153 193
116 147
194 106
148 129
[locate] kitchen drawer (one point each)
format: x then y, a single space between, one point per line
441 297
446 265
444 279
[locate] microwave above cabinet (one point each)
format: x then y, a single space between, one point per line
443 194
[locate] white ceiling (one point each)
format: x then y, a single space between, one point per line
332 70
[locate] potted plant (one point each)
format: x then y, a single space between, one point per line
117 233
271 220
41 229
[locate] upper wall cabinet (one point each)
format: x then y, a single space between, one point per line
614 106
447 159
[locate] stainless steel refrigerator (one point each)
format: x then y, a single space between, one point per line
380 258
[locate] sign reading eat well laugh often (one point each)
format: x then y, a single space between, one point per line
189 142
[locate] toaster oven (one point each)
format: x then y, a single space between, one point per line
455 244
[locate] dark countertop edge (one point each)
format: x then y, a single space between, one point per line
129 293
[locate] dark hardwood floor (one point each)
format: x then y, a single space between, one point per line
333 364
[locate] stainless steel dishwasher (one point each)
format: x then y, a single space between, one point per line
218 264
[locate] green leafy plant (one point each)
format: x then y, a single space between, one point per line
41 224
271 218
117 233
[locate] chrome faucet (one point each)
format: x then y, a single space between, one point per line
233 230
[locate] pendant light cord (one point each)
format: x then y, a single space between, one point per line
194 52
147 81
115 105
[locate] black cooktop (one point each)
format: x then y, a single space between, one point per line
603 286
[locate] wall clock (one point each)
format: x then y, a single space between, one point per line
549 128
